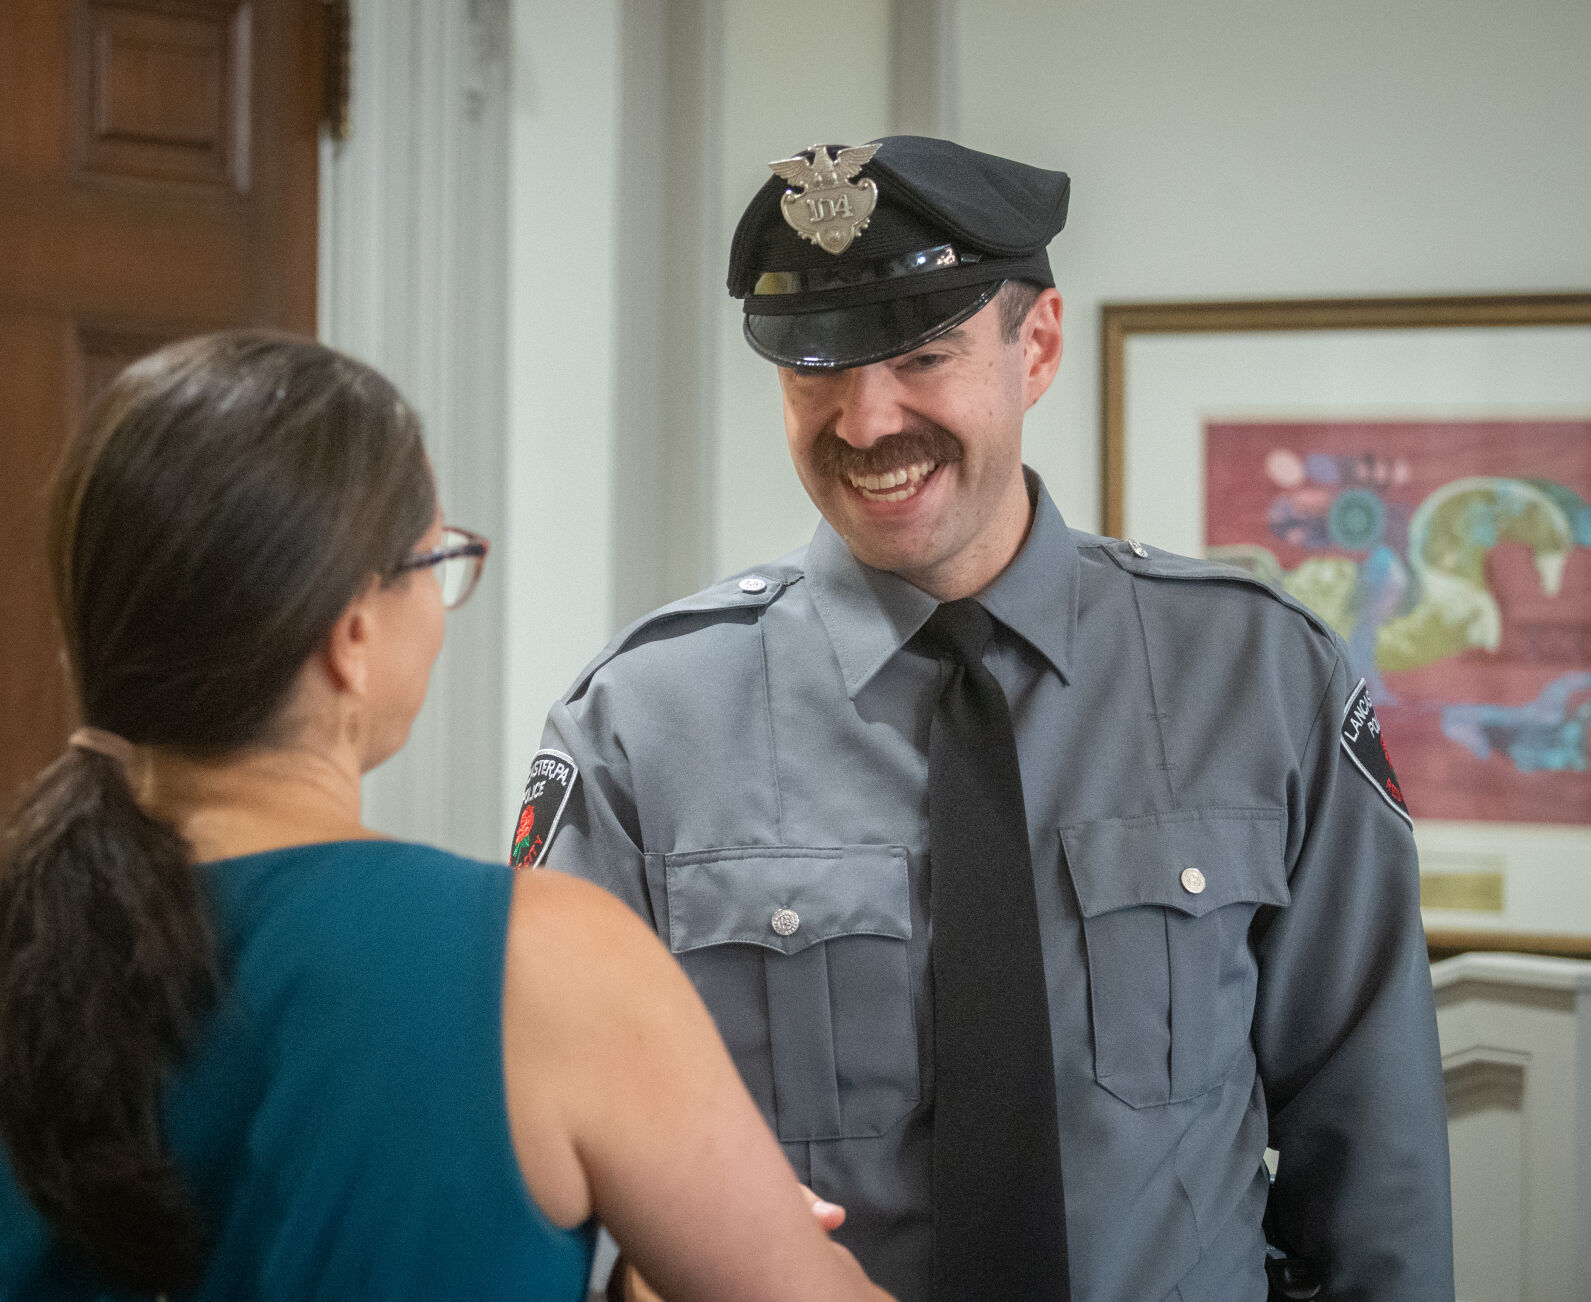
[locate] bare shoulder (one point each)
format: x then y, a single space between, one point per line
576 950
555 915
544 896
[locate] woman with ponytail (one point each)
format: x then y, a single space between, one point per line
250 1049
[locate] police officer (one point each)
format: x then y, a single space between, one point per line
1203 936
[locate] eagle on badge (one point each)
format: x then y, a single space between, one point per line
826 206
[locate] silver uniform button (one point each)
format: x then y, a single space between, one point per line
1137 549
754 583
786 921
1192 881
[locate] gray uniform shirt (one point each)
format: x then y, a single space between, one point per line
762 746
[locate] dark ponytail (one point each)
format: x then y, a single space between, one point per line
108 966
226 499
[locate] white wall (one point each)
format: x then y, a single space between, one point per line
565 316
1239 149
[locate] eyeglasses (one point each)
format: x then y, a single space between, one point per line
458 558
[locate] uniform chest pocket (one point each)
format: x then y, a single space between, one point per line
801 955
1166 901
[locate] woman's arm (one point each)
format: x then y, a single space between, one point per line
622 1100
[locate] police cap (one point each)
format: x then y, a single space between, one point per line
847 256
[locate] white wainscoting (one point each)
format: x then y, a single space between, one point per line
1516 1057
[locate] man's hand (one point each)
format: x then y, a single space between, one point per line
635 1289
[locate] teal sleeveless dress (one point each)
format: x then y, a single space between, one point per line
341 1118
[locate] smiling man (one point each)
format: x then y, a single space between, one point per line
1034 878
874 448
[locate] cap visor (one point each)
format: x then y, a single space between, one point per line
865 333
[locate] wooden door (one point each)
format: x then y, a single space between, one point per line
158 163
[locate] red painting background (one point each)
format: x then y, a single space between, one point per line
1543 636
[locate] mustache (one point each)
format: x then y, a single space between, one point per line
832 455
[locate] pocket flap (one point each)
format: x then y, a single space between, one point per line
1193 860
785 898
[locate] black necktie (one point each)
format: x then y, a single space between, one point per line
999 1214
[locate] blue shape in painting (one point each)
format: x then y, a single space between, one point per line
1356 519
1547 735
1380 585
1322 468
1574 507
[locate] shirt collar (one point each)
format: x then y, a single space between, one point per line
870 614
1035 596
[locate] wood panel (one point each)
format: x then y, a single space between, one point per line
158 168
162 91
35 707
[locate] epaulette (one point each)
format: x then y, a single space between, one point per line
1153 563
751 589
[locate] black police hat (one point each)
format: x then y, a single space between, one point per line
850 255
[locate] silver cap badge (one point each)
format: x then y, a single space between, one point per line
827 207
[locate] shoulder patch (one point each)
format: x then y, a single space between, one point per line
1361 739
552 778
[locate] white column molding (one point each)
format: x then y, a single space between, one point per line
670 257
924 90
412 247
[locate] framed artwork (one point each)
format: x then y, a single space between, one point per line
1418 472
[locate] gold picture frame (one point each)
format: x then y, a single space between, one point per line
1222 345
